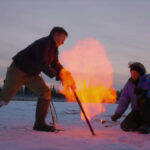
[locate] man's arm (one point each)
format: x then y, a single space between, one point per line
57 66
42 61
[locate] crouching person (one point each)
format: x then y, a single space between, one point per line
135 93
40 56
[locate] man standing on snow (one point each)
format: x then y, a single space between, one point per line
136 91
40 56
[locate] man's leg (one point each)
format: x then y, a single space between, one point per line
11 85
131 122
37 85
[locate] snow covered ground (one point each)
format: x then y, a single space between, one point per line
16 121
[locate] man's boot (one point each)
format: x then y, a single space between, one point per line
41 112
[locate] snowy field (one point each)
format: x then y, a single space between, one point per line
16 121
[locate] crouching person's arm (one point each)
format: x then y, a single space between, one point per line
123 104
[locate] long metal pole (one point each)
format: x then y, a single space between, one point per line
53 118
87 120
54 110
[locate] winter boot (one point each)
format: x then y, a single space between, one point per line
41 112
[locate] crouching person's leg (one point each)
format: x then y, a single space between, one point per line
144 105
144 128
131 122
38 85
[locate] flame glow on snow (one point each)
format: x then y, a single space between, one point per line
88 63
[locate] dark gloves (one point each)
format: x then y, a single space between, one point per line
115 117
139 91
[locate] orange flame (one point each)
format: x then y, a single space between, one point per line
92 73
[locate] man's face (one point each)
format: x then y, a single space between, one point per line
134 75
59 39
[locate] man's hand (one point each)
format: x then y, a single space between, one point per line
67 79
53 72
115 117
71 82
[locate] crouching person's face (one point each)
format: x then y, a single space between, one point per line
134 75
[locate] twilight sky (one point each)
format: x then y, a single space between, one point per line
121 26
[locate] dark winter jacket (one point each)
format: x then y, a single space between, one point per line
128 94
144 84
40 56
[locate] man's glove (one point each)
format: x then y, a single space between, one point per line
139 91
67 79
115 117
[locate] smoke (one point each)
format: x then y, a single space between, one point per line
87 61
93 74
